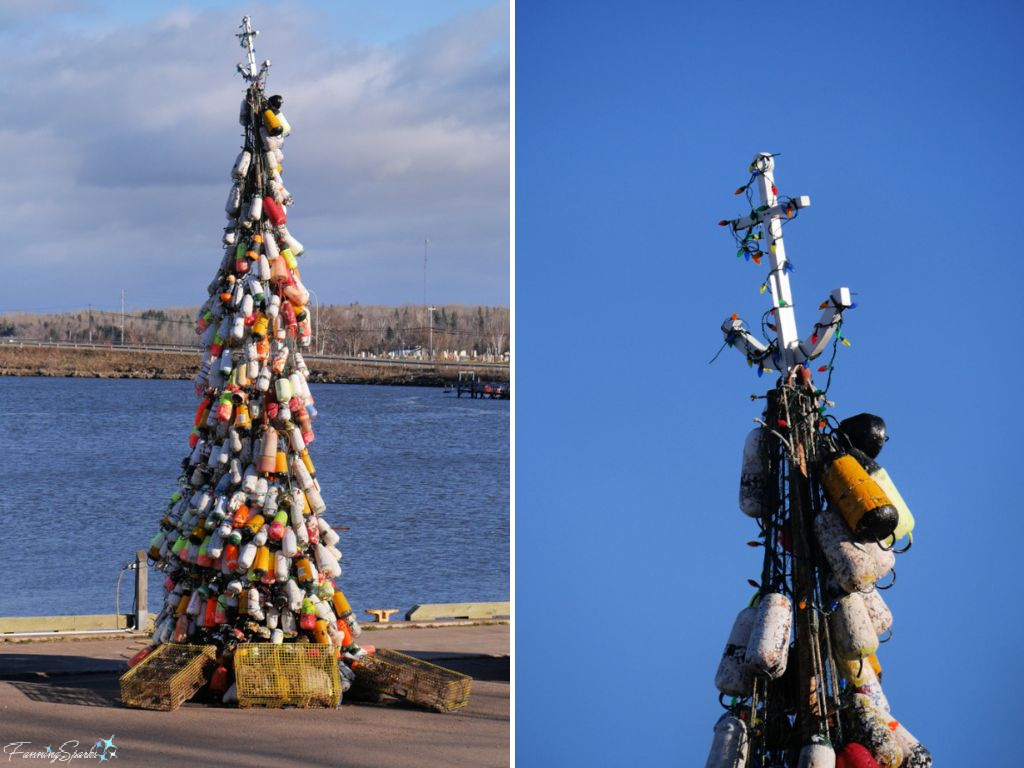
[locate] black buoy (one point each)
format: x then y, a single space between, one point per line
275 102
866 432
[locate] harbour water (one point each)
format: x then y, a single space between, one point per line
420 479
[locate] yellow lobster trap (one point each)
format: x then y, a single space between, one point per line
168 677
390 673
287 675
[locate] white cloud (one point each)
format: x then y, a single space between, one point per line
118 143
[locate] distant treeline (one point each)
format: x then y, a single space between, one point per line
343 330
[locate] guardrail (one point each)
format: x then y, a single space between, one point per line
188 349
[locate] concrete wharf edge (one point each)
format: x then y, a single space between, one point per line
64 690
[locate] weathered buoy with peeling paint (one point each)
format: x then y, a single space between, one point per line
754 473
768 647
853 634
734 677
914 753
817 754
881 616
730 744
860 674
870 727
862 503
852 565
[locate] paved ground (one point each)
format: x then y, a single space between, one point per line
59 691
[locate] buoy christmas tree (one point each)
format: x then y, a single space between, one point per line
800 676
244 546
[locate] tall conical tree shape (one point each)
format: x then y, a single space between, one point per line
244 545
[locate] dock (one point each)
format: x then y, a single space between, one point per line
472 386
62 690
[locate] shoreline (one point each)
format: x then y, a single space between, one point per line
28 361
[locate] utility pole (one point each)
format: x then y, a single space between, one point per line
429 310
90 323
431 316
122 317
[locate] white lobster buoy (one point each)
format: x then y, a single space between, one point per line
768 648
853 634
294 594
884 559
730 744
734 677
914 754
817 754
242 164
289 543
754 473
853 566
255 210
881 616
246 557
281 567
270 243
234 201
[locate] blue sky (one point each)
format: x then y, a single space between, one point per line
121 129
634 125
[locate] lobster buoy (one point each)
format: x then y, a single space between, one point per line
234 200
290 242
855 755
881 616
241 168
914 753
734 677
268 457
275 213
865 432
272 123
860 674
862 503
870 727
853 633
905 520
730 744
768 647
817 754
852 565
139 656
754 473
884 559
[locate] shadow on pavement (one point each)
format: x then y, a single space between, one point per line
97 690
479 667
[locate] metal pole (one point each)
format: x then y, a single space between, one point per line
122 317
141 590
316 321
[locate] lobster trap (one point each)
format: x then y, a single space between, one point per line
302 675
168 677
390 673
